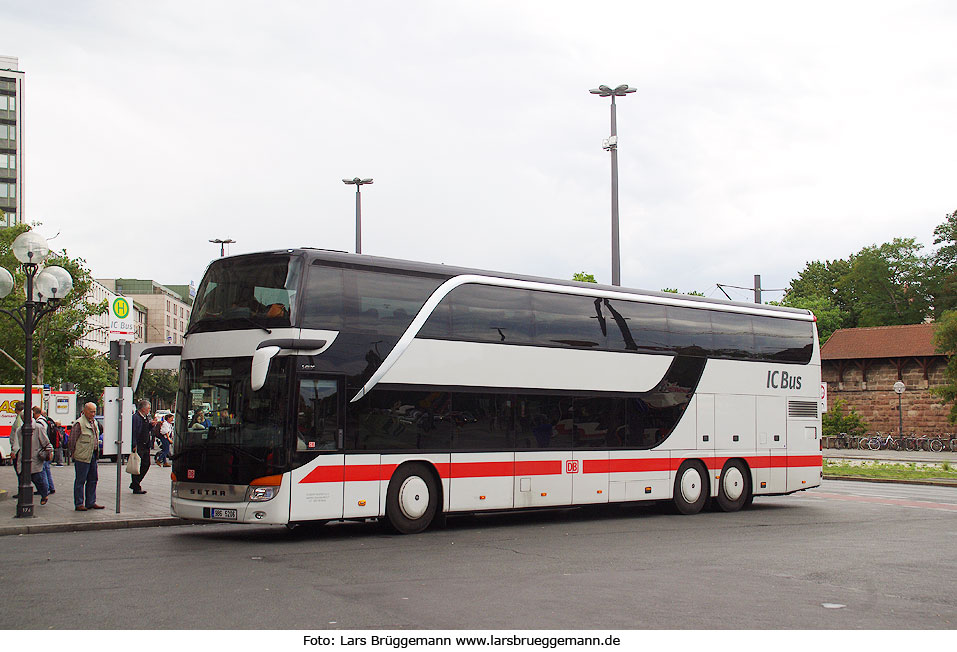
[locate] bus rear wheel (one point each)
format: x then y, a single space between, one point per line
734 487
412 498
691 488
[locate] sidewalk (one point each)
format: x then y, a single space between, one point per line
58 515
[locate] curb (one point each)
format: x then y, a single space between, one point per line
3 494
927 483
92 525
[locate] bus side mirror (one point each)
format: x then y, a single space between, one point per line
260 366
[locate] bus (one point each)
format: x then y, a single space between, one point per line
318 385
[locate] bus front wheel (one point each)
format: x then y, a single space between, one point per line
691 488
734 487
412 499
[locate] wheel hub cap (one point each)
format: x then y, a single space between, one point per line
733 483
414 497
691 485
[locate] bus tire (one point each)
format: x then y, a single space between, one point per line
412 499
734 486
691 488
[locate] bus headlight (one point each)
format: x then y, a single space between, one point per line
263 489
261 494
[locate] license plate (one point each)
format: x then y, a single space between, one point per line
226 514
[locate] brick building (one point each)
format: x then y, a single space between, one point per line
861 365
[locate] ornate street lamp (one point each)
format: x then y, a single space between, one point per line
44 290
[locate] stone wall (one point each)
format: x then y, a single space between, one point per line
876 401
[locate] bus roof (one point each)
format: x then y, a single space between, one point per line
312 255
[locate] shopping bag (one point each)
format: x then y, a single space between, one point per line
133 465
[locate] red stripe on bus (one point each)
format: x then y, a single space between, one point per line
325 474
376 472
481 469
633 465
538 467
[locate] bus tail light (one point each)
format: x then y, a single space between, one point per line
263 489
172 476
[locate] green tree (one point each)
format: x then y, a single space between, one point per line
887 285
56 337
90 372
835 421
584 277
693 293
945 340
159 386
943 272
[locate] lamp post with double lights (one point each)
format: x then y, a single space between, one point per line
611 144
358 183
222 245
44 289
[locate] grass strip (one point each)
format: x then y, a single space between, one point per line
884 470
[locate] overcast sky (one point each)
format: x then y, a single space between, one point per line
762 135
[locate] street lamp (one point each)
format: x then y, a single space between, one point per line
43 292
611 144
222 245
357 182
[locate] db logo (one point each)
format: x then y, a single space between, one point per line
190 474
571 466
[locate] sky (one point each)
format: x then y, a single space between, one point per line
761 136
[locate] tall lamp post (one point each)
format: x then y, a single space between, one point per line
611 144
358 183
222 245
43 290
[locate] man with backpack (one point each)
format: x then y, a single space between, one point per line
49 429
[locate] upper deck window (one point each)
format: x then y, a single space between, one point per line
247 292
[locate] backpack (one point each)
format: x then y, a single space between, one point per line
156 429
53 433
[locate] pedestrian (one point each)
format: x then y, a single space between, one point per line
142 433
84 444
42 451
45 423
15 439
60 444
166 438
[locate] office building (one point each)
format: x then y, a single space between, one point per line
11 142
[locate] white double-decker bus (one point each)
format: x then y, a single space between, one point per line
318 385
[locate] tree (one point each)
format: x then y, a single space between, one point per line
159 386
584 277
945 340
56 337
834 421
887 285
943 283
693 293
90 372
882 285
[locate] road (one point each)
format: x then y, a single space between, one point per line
886 553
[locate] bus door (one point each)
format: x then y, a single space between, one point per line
767 473
317 459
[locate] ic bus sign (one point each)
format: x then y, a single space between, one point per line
122 322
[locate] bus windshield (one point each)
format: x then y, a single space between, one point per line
247 292
225 432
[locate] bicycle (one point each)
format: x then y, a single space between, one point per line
935 444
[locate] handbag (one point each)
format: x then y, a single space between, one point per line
133 464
